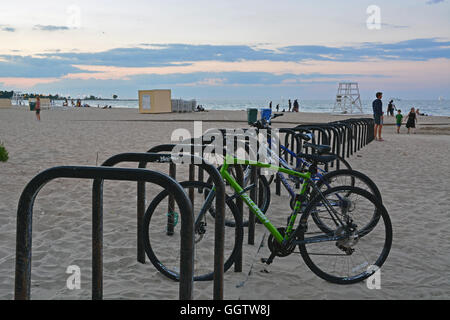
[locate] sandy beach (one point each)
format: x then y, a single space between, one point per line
411 172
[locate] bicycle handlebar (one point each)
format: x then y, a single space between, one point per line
276 115
263 123
304 136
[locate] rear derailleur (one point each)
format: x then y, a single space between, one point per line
350 238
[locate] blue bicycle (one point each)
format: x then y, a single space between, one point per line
324 179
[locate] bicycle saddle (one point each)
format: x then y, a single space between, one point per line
317 158
319 148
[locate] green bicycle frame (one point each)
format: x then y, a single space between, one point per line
229 160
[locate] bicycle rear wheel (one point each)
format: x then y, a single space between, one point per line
162 235
354 254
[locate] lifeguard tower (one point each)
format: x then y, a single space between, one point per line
17 98
348 98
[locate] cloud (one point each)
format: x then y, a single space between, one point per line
185 58
434 1
25 83
168 55
225 66
7 28
50 28
35 67
418 77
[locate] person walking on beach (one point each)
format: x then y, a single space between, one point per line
270 105
296 107
278 107
398 120
411 120
390 109
38 108
290 105
377 106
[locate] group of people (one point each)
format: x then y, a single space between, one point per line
78 104
378 115
200 109
292 107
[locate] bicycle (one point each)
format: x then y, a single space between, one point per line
345 234
323 179
344 206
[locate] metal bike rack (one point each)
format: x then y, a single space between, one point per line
25 217
239 178
153 156
254 194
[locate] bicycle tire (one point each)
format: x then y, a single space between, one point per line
170 271
341 161
345 162
339 245
266 198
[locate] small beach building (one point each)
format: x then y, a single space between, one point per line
5 103
155 101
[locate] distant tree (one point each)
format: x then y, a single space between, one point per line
115 96
6 94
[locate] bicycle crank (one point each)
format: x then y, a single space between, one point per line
278 249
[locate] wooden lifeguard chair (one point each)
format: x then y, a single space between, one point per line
347 98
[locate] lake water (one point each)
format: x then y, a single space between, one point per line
430 107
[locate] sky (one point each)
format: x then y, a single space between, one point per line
226 49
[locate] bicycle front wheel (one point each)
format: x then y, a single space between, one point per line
162 234
347 253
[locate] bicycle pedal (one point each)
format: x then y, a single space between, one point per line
268 260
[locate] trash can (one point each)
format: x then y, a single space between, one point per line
266 114
252 115
32 106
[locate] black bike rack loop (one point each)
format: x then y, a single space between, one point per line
239 178
25 217
254 173
143 159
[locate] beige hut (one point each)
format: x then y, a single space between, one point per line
5 103
155 101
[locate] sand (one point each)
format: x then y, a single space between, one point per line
410 170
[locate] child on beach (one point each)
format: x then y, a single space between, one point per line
412 120
399 118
